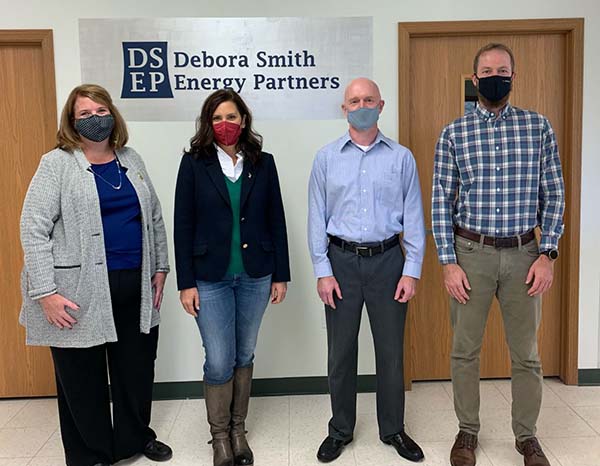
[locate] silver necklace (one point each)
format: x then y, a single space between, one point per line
108 182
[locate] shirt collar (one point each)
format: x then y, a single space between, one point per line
225 156
346 139
486 115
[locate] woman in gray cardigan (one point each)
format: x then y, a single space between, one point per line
95 266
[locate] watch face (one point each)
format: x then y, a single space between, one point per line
553 254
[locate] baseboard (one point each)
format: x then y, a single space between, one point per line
261 387
589 377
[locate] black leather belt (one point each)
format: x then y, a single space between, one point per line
497 242
363 250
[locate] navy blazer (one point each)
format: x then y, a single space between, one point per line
204 221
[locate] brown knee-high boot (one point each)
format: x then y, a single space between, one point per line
218 408
242 382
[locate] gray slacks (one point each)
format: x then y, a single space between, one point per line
371 281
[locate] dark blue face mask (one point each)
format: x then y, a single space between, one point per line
494 88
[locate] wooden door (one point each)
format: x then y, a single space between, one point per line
435 60
27 130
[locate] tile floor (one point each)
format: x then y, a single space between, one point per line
287 430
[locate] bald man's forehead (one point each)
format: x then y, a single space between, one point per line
357 91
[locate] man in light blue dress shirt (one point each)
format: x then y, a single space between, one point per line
364 203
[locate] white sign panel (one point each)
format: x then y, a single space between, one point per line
285 68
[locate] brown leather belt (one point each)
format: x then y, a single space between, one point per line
508 242
364 250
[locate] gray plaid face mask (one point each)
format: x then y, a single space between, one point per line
95 128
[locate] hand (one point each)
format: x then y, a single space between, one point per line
542 274
278 291
190 300
456 282
54 308
325 287
158 286
406 289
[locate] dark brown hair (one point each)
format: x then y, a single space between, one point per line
68 138
494 46
250 142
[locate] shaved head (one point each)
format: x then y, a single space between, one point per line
363 86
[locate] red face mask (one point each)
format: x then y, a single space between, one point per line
227 133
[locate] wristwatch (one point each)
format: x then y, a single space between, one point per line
552 254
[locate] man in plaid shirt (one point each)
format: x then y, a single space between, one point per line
497 177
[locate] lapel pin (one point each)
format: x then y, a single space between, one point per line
249 175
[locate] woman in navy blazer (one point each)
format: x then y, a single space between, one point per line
231 257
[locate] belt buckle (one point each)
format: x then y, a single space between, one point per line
500 243
362 248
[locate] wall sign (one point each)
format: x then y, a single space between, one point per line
285 68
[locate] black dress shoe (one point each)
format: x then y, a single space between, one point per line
155 450
405 446
330 449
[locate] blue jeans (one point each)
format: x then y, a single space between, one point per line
231 311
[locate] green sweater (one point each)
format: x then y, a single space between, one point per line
236 264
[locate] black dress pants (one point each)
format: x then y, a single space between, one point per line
371 281
88 434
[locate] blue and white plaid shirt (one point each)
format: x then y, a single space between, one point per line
497 176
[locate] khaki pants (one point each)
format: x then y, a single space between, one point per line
501 273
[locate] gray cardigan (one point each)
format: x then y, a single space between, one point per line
63 244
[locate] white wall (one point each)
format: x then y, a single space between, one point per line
292 341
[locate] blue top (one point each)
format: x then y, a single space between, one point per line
497 175
121 217
365 196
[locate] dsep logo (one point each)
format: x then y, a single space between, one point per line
146 73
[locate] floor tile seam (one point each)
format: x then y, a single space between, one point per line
16 413
46 442
583 419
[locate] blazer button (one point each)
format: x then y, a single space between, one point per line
243 219
245 245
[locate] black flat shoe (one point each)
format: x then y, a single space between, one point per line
405 446
155 450
330 449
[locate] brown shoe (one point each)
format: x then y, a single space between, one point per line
532 452
463 450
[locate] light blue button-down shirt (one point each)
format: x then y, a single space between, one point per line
365 197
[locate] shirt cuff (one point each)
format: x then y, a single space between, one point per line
446 255
323 269
412 269
548 242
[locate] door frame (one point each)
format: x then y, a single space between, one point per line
43 38
573 29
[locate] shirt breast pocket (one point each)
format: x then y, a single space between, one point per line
389 187
468 166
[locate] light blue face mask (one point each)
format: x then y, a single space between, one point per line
363 118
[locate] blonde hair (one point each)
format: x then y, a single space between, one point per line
68 138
